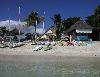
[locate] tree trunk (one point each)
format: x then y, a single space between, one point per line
34 35
35 32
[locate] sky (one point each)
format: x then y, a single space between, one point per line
67 8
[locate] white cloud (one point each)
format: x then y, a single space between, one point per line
14 24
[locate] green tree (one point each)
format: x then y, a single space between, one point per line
33 20
58 22
97 16
94 20
90 20
97 10
3 31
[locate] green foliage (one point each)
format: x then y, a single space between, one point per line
97 10
63 25
57 19
94 20
90 20
3 31
58 22
32 20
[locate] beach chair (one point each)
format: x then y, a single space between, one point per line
20 44
47 47
3 46
39 47
14 45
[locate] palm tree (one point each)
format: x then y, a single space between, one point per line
97 16
94 20
58 22
33 20
91 20
42 19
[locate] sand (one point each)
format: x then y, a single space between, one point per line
84 51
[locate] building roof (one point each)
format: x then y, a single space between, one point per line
79 25
50 30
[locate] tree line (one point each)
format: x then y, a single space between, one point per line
61 25
64 24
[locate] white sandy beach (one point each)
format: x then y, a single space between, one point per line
87 51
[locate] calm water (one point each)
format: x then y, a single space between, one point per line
28 66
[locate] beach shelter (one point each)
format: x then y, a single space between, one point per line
81 30
50 34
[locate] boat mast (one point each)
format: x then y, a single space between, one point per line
19 22
9 19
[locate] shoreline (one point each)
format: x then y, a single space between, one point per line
44 58
79 54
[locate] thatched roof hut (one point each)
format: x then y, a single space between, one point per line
49 32
81 27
